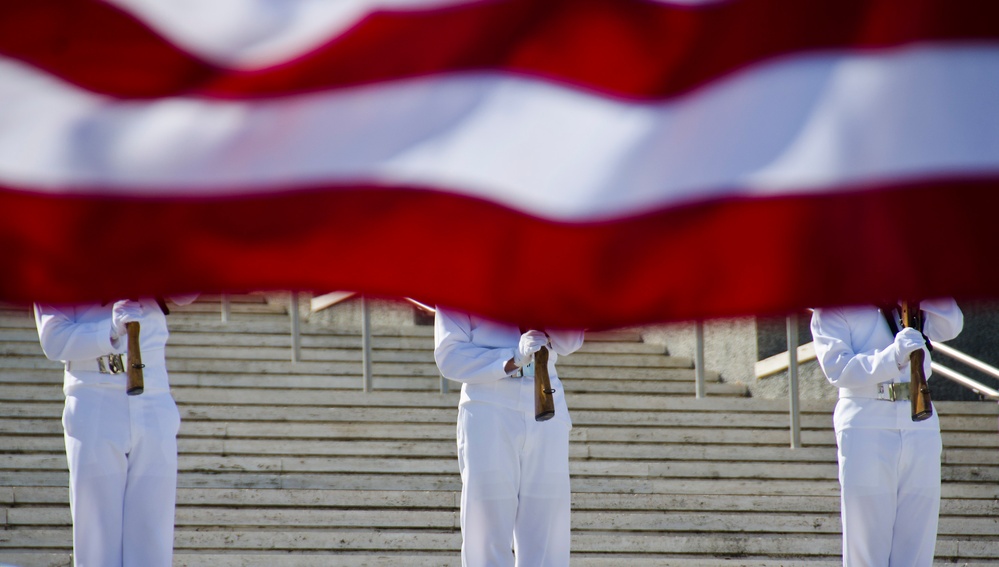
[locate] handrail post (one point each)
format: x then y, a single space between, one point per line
366 344
225 307
699 359
295 332
792 377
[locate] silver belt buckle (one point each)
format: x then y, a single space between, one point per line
893 391
110 364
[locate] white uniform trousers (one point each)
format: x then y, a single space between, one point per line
122 453
515 488
890 503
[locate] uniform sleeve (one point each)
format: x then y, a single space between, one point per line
843 367
565 341
943 319
62 338
461 360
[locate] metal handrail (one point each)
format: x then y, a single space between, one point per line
792 379
367 383
973 385
422 306
295 328
699 370
969 383
969 360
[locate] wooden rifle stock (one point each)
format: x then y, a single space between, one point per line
919 391
136 382
544 403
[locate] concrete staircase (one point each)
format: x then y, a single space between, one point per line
293 465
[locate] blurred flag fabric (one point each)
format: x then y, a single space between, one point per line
573 162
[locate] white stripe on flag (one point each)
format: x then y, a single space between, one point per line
811 123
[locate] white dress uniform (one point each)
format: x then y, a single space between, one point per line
121 449
889 465
514 470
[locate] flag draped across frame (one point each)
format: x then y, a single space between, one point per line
582 163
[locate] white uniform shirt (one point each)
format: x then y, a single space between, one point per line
474 350
850 345
83 333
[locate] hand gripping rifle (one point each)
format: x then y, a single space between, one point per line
544 403
919 391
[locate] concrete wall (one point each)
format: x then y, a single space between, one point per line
812 384
729 345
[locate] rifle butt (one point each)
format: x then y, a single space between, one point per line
919 390
544 403
136 380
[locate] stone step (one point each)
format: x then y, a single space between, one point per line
321 406
954 416
48 382
52 445
396 466
429 482
268 404
637 452
589 434
187 344
201 559
311 518
280 327
673 383
380 367
351 353
294 501
331 339
403 542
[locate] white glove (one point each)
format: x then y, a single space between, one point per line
530 343
124 311
907 341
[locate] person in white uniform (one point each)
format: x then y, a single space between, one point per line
889 465
121 449
515 495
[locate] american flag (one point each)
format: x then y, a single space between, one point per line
583 163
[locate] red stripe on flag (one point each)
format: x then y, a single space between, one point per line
625 48
724 258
